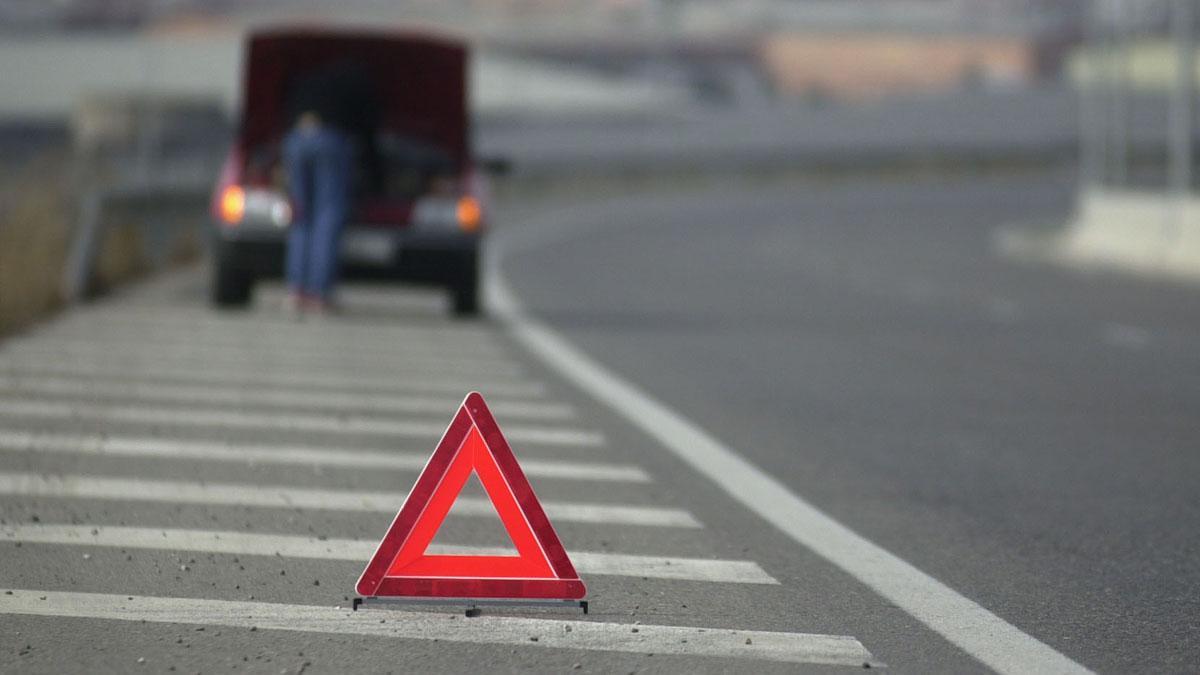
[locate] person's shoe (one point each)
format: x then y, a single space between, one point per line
293 305
322 307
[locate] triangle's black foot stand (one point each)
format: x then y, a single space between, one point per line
473 609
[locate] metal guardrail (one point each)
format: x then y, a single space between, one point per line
1025 127
160 209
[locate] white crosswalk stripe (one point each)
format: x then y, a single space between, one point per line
380 381
357 550
167 321
588 635
258 342
231 418
277 397
259 359
251 454
146 378
275 496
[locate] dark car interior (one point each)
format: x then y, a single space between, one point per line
402 101
402 169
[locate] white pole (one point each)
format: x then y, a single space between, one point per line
1182 94
1091 103
1119 56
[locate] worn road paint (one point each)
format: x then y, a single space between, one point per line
360 550
274 496
550 633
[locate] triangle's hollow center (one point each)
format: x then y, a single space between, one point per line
448 514
473 526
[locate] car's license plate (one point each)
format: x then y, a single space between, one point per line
366 246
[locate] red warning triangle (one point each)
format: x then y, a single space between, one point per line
540 570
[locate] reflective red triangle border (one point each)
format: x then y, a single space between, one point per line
542 570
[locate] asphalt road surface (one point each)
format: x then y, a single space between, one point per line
809 427
1027 436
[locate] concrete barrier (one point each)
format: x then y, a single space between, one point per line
1146 233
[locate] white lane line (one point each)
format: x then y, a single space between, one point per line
1004 310
278 397
279 496
361 550
985 636
301 349
162 319
1121 335
149 357
259 343
310 422
172 312
381 381
258 329
252 338
104 445
551 633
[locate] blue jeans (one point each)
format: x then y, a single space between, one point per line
318 162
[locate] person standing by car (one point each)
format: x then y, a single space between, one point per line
333 111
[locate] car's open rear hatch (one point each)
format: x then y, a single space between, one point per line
420 82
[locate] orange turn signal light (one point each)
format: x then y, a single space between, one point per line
469 214
233 204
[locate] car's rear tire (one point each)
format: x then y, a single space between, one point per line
464 292
231 287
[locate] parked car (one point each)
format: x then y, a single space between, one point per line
421 213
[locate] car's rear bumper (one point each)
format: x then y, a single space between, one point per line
423 256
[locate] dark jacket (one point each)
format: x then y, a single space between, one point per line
342 94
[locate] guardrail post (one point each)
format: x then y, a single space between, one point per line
85 242
1179 147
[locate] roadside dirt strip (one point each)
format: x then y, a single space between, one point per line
168 472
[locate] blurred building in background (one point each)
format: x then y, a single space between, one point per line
806 49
